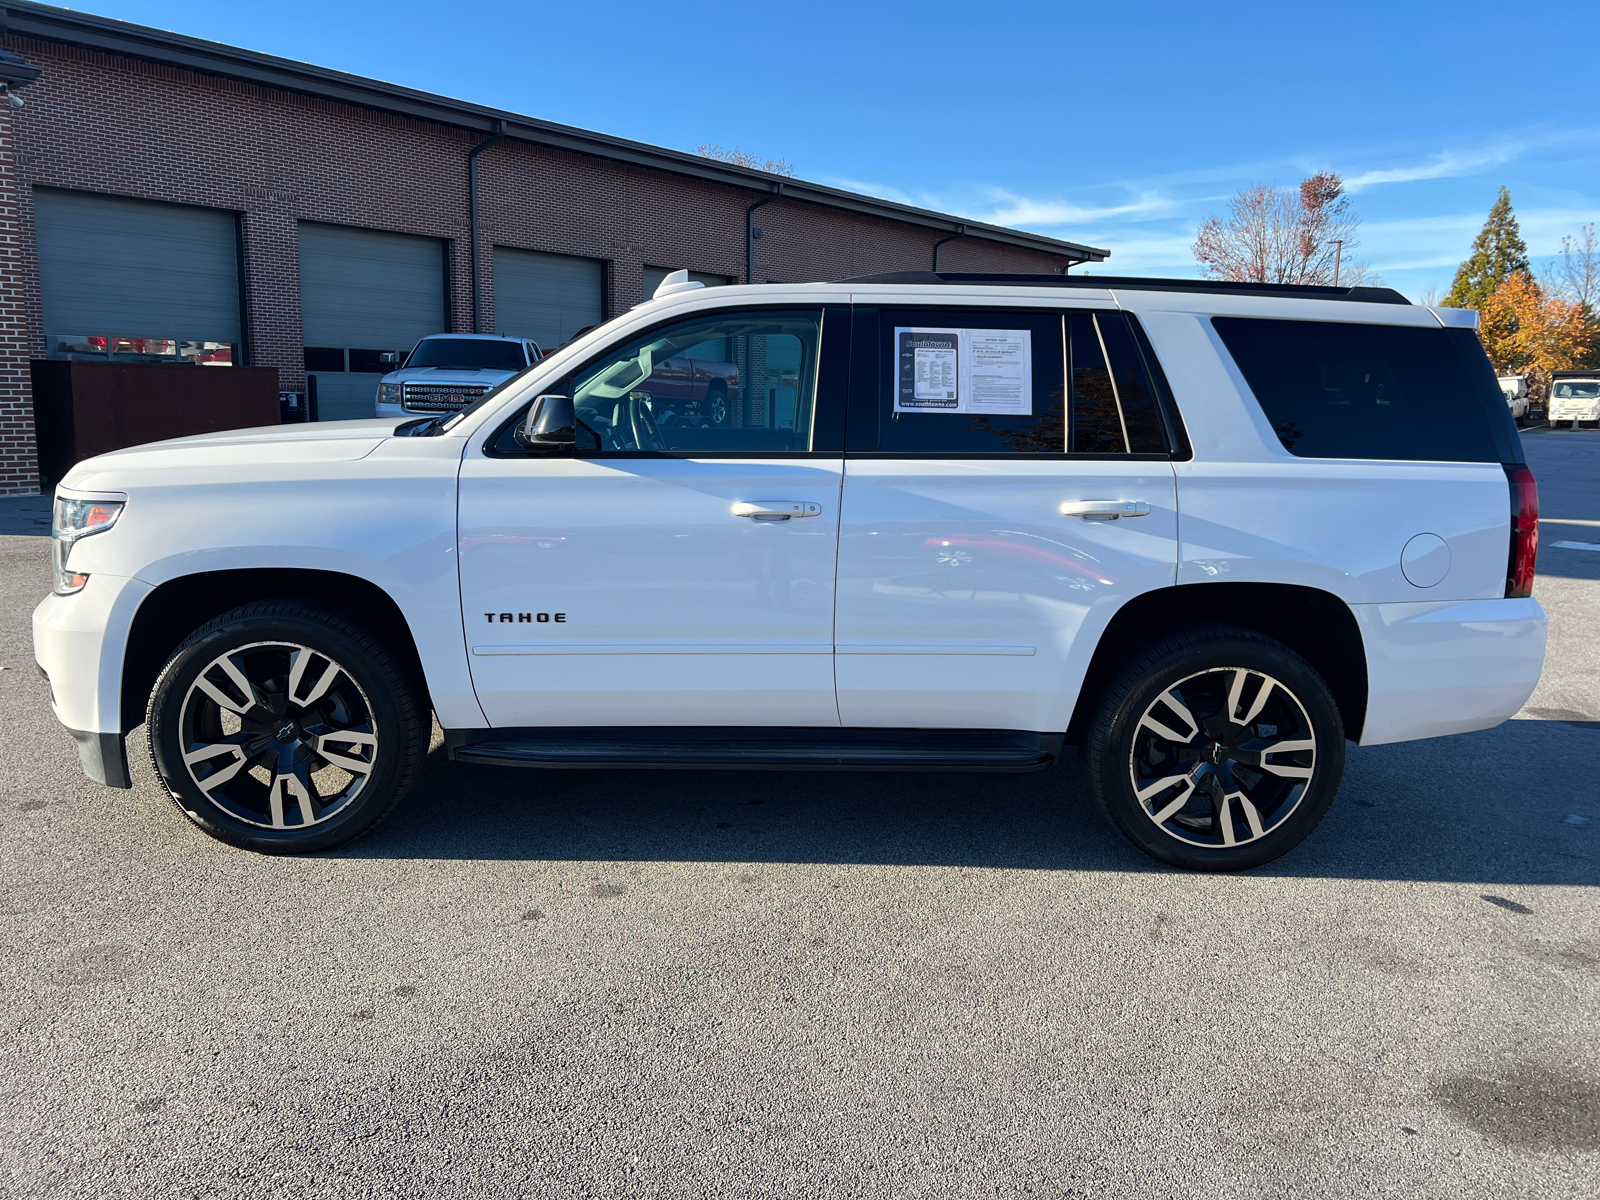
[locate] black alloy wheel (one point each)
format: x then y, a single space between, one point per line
285 727
1217 749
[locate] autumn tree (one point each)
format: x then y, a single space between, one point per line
743 158
1498 253
1278 235
1530 332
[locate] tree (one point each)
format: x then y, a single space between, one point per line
1498 253
1276 235
743 158
1528 332
1576 275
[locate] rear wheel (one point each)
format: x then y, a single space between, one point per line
1217 749
717 405
285 727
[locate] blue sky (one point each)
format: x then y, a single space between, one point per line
1120 124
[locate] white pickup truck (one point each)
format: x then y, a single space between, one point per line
445 372
1204 533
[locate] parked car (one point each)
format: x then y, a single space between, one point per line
1206 533
1574 396
447 371
1515 390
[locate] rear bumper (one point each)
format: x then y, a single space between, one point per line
1441 668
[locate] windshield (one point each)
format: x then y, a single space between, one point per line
468 354
1578 389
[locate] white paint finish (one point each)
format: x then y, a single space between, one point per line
79 641
681 612
641 554
1254 512
1221 304
952 571
1436 669
1223 421
1425 561
1456 318
215 503
584 648
937 647
1342 525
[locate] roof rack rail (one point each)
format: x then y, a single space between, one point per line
1304 291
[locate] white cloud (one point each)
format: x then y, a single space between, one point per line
881 190
1012 209
1130 255
1444 165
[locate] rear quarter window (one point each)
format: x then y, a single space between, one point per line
1333 389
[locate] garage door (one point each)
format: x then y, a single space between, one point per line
137 280
546 297
363 293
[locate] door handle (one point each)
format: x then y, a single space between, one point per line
1104 510
775 510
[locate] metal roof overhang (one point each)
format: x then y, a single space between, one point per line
213 58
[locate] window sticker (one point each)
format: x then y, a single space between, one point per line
964 371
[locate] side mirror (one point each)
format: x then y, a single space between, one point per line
550 424
389 358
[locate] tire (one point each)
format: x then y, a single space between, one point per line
717 405
320 736
1233 801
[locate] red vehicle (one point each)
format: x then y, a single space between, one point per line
697 390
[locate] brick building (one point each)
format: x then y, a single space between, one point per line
167 199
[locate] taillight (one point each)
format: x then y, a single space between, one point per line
1524 531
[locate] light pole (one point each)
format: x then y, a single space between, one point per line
1338 253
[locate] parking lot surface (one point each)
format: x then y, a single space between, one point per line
812 985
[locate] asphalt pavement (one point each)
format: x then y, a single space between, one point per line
684 984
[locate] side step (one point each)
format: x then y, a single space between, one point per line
759 749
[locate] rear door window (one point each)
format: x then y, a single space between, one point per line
1114 406
1342 390
995 382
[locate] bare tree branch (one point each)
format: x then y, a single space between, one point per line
743 158
1575 277
1274 235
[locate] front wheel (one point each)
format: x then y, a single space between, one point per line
1217 749
285 727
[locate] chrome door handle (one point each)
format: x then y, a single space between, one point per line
776 510
1104 510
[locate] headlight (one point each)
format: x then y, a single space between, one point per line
389 393
76 519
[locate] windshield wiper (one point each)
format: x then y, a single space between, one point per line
422 427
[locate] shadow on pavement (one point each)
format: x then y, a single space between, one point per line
1491 807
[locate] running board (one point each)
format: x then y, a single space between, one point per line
703 749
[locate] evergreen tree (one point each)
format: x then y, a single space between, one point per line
1497 254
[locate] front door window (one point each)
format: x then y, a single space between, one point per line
738 381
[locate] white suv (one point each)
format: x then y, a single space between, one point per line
948 522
